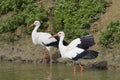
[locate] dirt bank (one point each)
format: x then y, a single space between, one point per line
22 50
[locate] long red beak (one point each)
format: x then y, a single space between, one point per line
55 35
32 25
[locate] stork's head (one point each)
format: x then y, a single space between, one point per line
61 33
36 23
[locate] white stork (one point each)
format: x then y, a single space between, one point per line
74 50
42 38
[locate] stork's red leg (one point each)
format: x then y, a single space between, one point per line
74 68
44 57
81 67
50 53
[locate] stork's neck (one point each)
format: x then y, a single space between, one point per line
61 41
34 35
62 48
36 27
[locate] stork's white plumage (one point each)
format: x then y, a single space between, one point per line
73 51
42 38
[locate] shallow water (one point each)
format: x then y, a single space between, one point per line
18 71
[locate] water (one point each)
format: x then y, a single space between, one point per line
18 71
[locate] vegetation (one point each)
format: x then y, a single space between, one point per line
24 13
111 34
11 5
74 16
71 16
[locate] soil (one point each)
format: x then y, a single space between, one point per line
24 50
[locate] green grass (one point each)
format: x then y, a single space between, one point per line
111 34
24 13
75 16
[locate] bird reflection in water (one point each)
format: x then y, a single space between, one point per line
50 71
44 71
78 75
47 75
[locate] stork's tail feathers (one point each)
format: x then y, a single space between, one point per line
87 41
90 54
87 54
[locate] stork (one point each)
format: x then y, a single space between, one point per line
42 38
74 50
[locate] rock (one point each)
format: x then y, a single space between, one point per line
55 56
61 60
100 65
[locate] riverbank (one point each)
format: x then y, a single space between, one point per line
29 53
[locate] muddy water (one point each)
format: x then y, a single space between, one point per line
18 71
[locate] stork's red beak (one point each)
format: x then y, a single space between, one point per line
55 35
32 25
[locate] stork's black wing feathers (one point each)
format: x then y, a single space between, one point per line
86 42
87 54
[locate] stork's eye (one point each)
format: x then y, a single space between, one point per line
59 33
